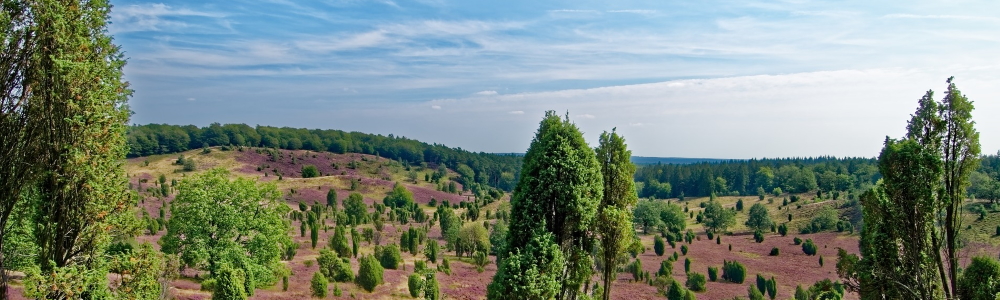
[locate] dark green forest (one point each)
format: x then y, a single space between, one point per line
751 177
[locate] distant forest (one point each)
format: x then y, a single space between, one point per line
495 170
752 177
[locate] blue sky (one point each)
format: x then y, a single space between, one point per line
727 79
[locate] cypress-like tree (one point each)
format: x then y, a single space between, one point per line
614 223
63 85
558 192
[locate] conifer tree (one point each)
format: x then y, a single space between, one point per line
614 224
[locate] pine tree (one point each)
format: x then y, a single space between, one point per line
614 222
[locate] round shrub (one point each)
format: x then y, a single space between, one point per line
389 256
684 249
809 248
713 274
658 245
775 251
229 284
783 229
980 280
695 282
758 236
797 241
733 271
710 235
666 269
318 285
369 273
416 284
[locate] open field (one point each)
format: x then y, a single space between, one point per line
375 177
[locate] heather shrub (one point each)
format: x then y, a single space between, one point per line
370 273
318 285
809 248
658 245
695 282
733 271
416 284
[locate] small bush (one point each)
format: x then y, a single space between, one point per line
318 285
783 230
820 260
775 251
713 274
733 271
695 282
666 269
710 235
718 240
758 236
416 284
797 241
687 265
370 273
658 245
684 249
389 256
309 171
809 248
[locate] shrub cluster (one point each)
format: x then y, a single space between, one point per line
695 282
733 271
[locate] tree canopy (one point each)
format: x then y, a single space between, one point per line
217 221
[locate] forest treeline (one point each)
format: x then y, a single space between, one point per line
751 177
497 170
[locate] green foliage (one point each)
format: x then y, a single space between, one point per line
687 264
559 191
431 250
772 288
820 260
398 197
355 208
614 225
331 199
431 289
389 256
333 267
415 283
783 229
229 284
809 248
713 273
980 280
472 237
309 171
666 268
248 231
480 260
775 251
318 285
739 205
695 282
531 272
754 293
797 241
676 291
339 244
718 219
733 271
825 220
684 249
498 236
658 245
759 218
758 236
370 273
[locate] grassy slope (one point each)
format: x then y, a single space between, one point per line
377 175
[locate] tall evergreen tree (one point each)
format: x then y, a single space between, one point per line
74 95
960 149
558 192
614 224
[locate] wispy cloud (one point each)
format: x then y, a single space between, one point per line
154 17
942 17
486 93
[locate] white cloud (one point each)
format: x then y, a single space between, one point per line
153 17
516 112
942 17
486 93
635 124
634 11
585 116
435 107
191 99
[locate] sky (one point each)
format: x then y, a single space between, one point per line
710 79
